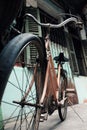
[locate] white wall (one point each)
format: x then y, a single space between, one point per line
81 87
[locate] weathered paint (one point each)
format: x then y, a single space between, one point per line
81 87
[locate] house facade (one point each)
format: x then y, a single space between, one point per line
69 39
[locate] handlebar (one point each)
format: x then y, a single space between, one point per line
71 19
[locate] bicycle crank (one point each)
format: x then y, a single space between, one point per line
23 103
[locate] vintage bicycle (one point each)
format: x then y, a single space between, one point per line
36 88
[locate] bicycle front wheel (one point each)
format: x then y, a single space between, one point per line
23 75
62 109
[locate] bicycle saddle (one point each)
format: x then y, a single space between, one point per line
61 58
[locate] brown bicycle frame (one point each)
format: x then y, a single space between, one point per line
52 81
51 84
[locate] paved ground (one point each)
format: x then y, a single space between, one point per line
76 120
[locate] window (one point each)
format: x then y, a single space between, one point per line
56 35
72 54
31 27
78 55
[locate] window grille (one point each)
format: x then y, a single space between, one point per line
31 27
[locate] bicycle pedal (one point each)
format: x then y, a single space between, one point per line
70 90
43 117
41 120
62 101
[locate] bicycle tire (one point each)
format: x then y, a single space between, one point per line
62 109
9 64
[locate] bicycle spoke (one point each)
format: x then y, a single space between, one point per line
24 75
18 81
9 103
11 116
27 84
31 121
26 119
15 86
21 118
22 79
17 120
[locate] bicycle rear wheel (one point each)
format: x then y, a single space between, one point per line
23 76
62 109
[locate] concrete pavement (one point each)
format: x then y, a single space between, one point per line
76 119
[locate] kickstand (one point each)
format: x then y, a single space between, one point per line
70 102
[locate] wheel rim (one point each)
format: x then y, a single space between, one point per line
18 115
64 109
62 94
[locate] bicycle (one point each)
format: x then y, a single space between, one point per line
40 89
